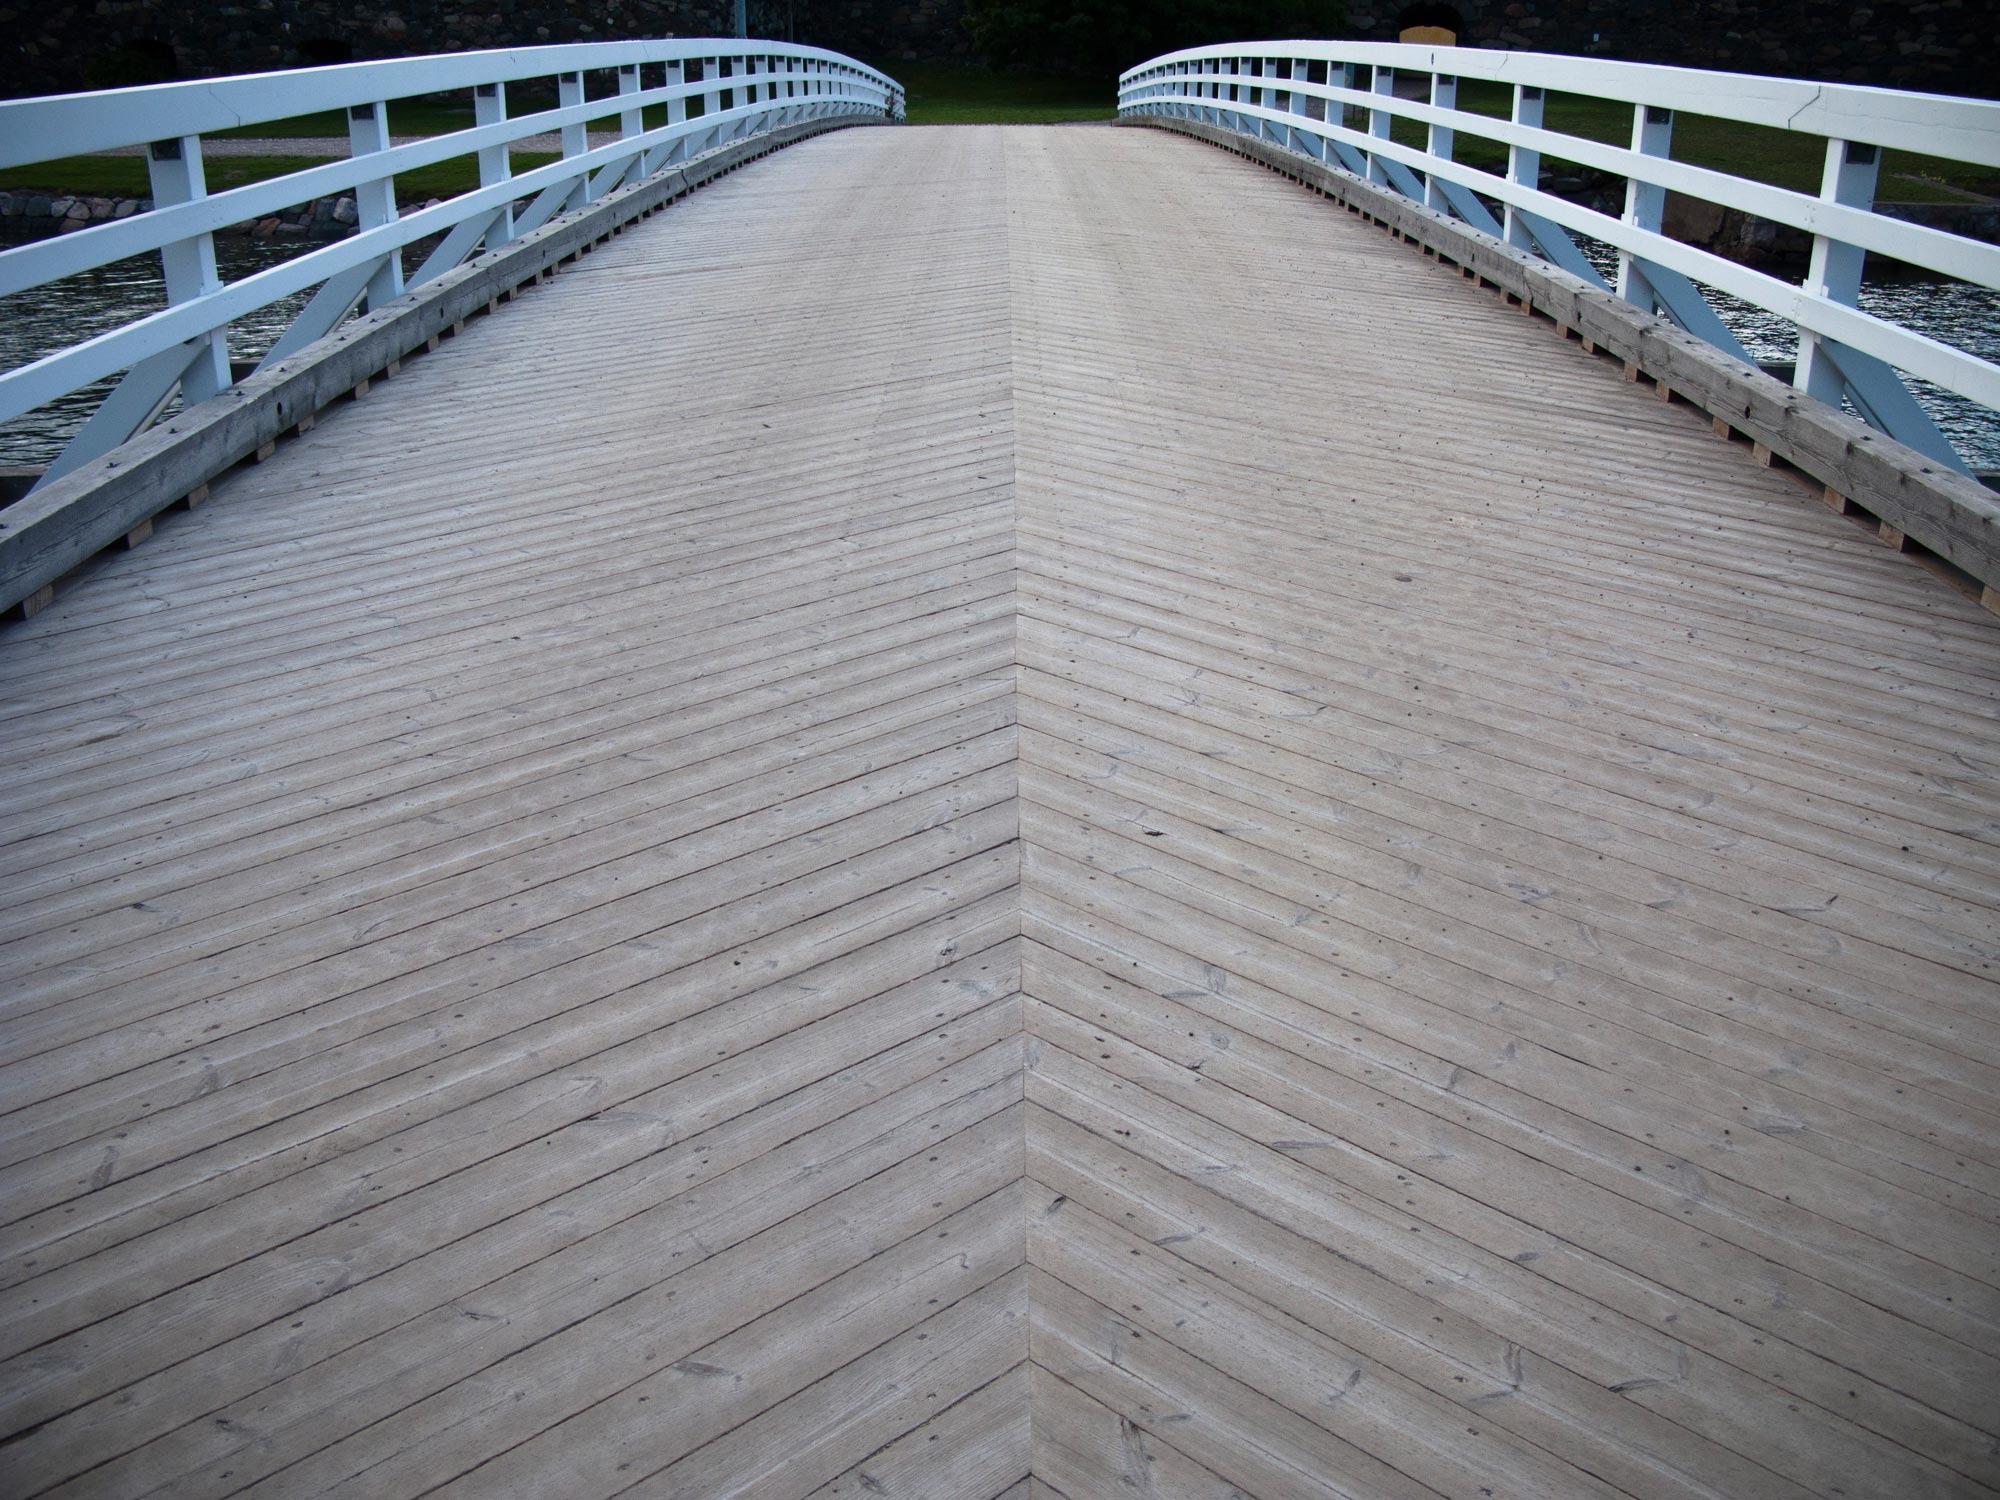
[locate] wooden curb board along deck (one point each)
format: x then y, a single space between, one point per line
1002 813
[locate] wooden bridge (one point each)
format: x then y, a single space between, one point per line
1003 813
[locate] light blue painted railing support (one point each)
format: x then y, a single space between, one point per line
1299 103
745 96
1442 140
1644 283
1828 369
1380 123
375 200
489 107
1846 353
711 101
1835 268
1346 152
677 107
575 139
188 266
1524 163
1645 202
631 126
200 367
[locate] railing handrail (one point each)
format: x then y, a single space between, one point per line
1265 89
41 261
87 124
1946 125
769 85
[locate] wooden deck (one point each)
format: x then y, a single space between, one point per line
1002 813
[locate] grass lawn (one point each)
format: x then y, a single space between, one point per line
976 96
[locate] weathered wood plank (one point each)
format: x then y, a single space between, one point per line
1079 1441
575 879
1312 833
1951 513
775 1146
963 1451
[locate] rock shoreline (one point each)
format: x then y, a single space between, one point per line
30 215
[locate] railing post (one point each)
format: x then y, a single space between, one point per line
575 134
189 265
1834 271
1300 104
575 137
1524 165
1442 141
677 109
489 107
1346 82
375 202
200 367
631 120
1380 121
1645 202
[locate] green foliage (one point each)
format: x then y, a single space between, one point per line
1108 36
939 94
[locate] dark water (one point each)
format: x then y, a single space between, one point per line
38 322
1952 312
1965 316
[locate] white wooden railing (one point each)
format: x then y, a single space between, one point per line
713 92
1298 94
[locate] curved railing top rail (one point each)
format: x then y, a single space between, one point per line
83 124
710 91
1931 124
1300 94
